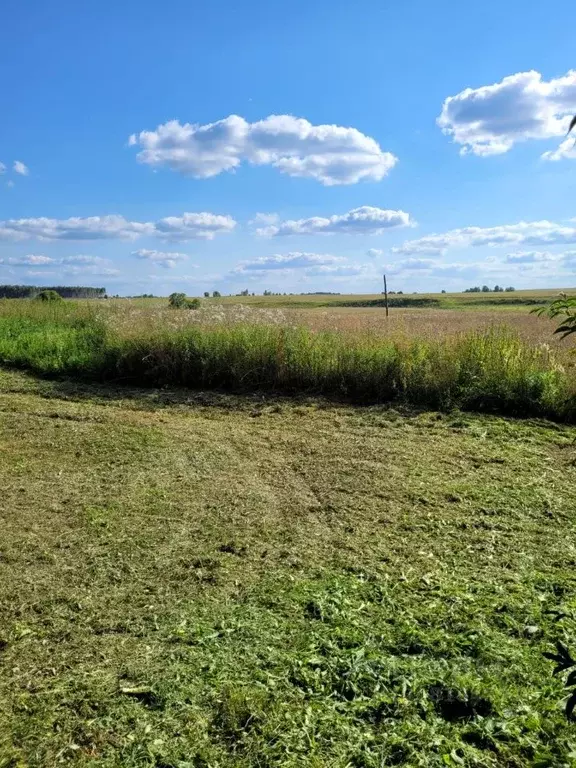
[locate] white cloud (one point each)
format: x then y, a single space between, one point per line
193 226
331 154
168 260
2 168
92 270
20 168
294 260
565 151
529 257
365 220
186 227
522 233
374 252
30 260
75 228
82 259
491 119
9 183
264 218
341 270
300 265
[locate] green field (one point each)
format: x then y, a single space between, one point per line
246 536
212 580
459 301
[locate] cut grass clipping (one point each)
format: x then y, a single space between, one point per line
492 370
229 582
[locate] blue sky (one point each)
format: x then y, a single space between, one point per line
290 147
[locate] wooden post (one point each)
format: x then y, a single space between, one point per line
385 295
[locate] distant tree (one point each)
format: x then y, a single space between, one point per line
49 295
498 289
216 294
443 291
206 294
245 292
510 289
485 289
65 291
177 300
267 293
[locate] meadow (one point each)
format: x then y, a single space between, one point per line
502 360
281 537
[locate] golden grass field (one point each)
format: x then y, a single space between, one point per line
456 313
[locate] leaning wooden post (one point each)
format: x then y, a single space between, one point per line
385 295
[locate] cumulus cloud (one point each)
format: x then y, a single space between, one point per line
523 233
491 119
331 154
165 259
365 220
186 227
2 168
20 168
193 226
75 228
374 252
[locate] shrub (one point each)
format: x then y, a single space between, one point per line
177 300
49 296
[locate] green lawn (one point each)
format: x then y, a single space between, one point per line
200 580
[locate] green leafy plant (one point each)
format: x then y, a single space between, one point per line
49 295
564 662
563 307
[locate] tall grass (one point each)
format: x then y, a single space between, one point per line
491 370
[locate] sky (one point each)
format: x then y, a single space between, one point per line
292 147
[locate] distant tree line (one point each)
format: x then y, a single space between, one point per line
66 291
487 289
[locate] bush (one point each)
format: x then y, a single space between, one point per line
49 296
179 301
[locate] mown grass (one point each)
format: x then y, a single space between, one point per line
491 370
237 581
